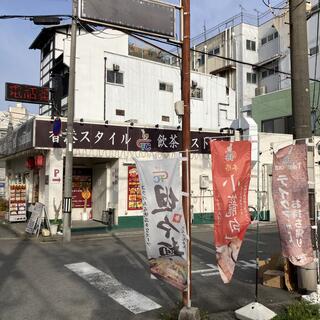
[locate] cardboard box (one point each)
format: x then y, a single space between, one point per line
273 278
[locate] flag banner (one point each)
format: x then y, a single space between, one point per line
291 203
231 166
164 223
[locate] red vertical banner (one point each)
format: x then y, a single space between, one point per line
231 166
291 203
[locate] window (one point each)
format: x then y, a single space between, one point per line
196 93
314 50
251 78
278 125
214 51
165 118
46 50
267 126
120 112
201 60
165 87
270 37
114 77
251 45
271 69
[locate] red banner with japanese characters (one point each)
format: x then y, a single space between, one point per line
231 166
291 203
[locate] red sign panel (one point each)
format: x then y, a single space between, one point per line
81 188
27 93
231 165
134 191
290 197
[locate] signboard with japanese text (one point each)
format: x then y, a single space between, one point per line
146 16
27 93
125 138
290 197
164 223
134 190
231 166
81 186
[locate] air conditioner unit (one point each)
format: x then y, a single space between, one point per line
194 84
261 90
308 6
116 67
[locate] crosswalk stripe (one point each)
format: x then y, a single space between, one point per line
125 296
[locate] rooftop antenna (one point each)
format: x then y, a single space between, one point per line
242 9
258 16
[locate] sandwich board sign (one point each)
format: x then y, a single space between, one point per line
38 214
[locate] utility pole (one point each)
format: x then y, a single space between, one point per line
299 69
186 135
67 197
300 95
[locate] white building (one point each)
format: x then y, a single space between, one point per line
124 109
124 106
115 86
262 42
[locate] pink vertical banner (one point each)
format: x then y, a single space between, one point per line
291 203
231 167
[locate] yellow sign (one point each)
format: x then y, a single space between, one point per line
86 194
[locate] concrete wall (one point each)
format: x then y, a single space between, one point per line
278 104
140 97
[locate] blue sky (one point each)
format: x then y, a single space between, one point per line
21 65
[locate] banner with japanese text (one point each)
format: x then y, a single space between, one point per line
231 166
291 203
164 223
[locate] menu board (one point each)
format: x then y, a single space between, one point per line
134 191
17 203
81 188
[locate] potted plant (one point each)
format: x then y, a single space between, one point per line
54 225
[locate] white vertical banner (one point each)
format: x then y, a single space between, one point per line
164 223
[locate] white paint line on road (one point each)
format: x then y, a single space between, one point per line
215 273
127 297
214 270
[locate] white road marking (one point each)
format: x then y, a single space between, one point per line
127 297
201 271
215 273
214 270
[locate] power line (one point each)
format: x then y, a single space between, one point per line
255 66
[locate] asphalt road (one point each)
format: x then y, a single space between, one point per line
36 284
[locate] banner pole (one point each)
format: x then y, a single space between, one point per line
189 221
186 133
258 215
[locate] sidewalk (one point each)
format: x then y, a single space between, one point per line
91 230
